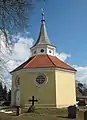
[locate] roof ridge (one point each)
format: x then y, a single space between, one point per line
21 64
66 63
30 61
51 60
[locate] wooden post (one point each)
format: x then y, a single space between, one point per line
17 112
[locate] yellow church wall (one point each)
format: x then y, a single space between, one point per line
59 91
13 88
65 88
45 94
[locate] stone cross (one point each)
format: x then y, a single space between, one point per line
33 100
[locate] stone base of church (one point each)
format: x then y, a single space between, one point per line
45 105
42 105
64 106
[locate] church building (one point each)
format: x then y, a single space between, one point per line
44 76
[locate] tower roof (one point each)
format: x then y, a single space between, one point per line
43 36
44 61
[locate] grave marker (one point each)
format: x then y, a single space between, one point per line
85 115
32 107
33 100
72 112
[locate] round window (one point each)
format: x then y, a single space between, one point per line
34 52
41 79
42 50
49 51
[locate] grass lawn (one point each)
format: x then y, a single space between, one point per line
40 114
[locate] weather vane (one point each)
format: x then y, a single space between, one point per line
43 14
42 9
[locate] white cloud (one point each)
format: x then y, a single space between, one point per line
12 64
63 56
4 56
20 53
81 73
21 49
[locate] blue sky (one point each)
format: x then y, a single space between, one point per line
66 22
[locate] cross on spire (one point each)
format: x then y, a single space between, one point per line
42 15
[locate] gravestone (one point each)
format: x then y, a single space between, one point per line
32 107
33 100
86 101
85 115
72 112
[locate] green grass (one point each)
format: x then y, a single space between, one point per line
40 114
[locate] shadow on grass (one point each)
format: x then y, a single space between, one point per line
13 115
62 116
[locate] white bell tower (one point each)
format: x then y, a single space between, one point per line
43 45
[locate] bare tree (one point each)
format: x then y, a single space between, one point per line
14 15
14 18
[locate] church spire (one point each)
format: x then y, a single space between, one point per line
43 45
43 36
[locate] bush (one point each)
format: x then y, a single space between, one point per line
6 103
81 103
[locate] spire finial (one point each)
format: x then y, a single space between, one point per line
42 15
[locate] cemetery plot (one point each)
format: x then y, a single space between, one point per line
41 114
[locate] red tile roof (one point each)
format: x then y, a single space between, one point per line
44 61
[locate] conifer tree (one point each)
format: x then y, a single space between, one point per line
9 95
1 91
5 92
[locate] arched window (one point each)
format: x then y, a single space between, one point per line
17 81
